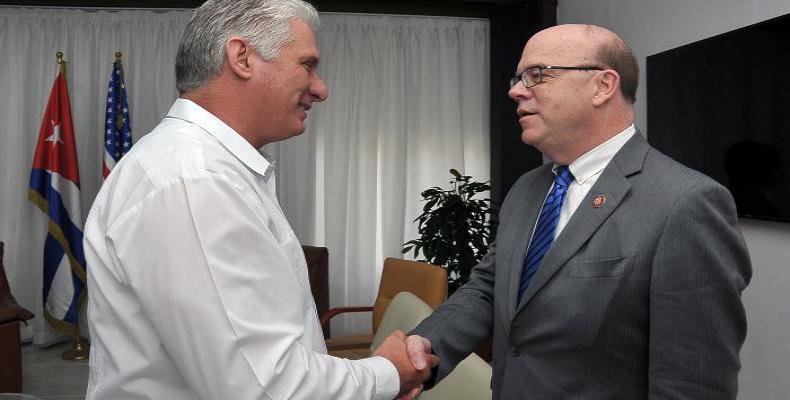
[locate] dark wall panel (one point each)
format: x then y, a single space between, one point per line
511 27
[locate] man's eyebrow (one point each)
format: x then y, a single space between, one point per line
310 60
520 71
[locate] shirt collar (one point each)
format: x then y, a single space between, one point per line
594 161
236 144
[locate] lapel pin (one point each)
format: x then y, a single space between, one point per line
599 200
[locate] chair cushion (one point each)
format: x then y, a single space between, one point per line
426 281
404 313
470 380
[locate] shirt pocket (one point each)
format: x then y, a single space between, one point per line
600 267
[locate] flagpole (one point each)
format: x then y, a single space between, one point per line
80 349
61 63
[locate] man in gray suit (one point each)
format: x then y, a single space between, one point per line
616 272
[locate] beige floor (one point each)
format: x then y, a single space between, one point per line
45 374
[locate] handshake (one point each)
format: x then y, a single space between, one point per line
412 358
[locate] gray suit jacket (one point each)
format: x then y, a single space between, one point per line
636 299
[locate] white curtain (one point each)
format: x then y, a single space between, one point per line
408 101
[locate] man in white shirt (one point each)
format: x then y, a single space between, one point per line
199 287
616 272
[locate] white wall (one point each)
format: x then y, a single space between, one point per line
650 27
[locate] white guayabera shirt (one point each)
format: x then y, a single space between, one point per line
198 286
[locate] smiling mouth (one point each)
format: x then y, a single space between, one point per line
305 107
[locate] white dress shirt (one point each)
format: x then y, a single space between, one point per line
586 170
198 286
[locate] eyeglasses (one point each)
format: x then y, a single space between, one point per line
534 75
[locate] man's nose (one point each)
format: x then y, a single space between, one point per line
318 89
519 91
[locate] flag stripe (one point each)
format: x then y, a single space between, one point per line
62 226
68 194
53 256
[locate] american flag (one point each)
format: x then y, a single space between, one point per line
117 125
55 189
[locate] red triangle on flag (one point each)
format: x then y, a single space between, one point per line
56 150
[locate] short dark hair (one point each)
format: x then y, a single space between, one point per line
619 57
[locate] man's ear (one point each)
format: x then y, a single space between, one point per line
238 55
607 85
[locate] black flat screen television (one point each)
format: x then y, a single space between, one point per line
722 106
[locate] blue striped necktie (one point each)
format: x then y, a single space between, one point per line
543 236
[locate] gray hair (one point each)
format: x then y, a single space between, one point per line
614 53
619 57
266 24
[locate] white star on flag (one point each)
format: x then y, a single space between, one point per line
55 136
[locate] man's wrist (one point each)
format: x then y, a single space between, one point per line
387 378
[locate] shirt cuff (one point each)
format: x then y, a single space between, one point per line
387 378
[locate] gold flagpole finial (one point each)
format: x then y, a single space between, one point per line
61 62
118 61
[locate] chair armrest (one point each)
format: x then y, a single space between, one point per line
325 317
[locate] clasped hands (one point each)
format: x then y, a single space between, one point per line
412 358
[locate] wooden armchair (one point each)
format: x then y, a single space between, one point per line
426 281
318 271
11 314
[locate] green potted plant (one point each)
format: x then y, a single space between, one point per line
455 228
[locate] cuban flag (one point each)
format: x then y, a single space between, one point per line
117 125
55 189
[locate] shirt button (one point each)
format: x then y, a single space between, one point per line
512 352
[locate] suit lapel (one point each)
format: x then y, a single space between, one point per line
530 203
614 185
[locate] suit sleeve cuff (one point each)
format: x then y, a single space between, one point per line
387 379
